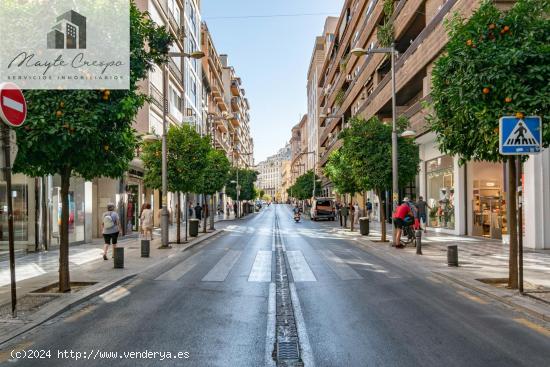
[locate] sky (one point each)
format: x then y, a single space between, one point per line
272 56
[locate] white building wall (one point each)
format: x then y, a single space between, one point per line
537 201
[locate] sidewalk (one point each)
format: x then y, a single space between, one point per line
479 259
38 270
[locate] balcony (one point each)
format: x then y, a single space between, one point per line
236 104
235 120
156 96
235 87
174 69
221 125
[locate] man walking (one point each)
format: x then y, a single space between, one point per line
369 209
344 215
422 208
198 213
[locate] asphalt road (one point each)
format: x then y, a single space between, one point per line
214 304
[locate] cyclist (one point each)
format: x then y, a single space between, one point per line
399 217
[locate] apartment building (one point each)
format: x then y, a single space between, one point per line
241 141
216 109
467 199
313 90
299 149
270 177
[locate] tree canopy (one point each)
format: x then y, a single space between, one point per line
247 178
214 177
303 187
496 64
337 170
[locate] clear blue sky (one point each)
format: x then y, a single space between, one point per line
272 57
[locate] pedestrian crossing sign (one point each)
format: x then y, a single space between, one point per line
520 135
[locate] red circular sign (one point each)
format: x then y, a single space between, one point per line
13 107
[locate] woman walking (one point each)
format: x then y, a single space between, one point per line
147 221
110 227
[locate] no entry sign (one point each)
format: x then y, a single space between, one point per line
13 107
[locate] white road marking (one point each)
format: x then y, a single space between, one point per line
301 272
261 269
220 271
270 331
181 269
13 104
339 266
307 353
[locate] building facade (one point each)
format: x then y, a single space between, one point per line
468 199
299 149
270 177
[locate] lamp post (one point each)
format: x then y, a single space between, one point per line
164 211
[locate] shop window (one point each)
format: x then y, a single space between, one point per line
440 192
20 202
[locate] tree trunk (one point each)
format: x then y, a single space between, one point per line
382 215
352 212
212 214
45 214
206 211
64 279
36 214
512 224
178 216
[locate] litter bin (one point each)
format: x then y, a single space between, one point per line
145 248
193 227
364 226
452 255
118 255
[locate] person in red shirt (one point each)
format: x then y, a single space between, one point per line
399 220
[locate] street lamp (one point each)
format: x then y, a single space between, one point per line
395 174
164 211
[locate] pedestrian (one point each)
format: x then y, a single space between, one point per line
339 212
198 212
356 213
235 208
423 208
228 208
110 227
344 216
401 212
147 221
369 209
190 210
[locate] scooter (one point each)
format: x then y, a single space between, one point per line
297 217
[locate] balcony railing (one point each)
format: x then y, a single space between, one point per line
174 68
155 95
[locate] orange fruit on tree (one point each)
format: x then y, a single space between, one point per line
492 26
107 92
506 28
508 99
486 90
106 147
519 115
105 97
58 114
469 43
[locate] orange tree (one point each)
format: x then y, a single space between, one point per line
496 63
88 133
367 151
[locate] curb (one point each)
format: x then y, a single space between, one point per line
540 315
83 297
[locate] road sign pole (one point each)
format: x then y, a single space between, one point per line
7 177
520 224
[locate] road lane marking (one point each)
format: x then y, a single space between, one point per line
339 266
221 270
261 269
531 325
471 297
271 322
306 351
301 272
181 269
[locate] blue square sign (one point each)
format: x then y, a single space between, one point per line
520 135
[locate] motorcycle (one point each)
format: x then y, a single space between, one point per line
297 217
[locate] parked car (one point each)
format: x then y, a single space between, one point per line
323 208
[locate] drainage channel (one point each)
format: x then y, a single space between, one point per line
287 343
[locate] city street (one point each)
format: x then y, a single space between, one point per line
216 305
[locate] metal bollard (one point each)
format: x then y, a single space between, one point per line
418 235
118 257
145 248
452 255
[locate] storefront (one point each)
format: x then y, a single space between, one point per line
77 210
487 199
23 200
440 192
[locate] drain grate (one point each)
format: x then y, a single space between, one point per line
287 345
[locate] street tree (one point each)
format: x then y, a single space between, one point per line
213 179
88 133
246 180
496 64
303 187
367 151
186 158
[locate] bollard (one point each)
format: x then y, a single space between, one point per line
452 255
193 227
145 248
418 235
118 257
364 226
